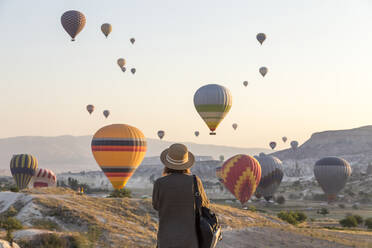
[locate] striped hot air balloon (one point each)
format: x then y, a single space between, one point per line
332 174
44 178
23 167
119 149
271 175
241 175
73 22
212 102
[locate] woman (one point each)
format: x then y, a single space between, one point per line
173 198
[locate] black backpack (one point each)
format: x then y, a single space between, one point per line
208 227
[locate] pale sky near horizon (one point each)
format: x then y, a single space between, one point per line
318 54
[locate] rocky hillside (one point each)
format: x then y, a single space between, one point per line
83 221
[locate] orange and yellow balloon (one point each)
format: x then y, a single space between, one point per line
119 149
241 175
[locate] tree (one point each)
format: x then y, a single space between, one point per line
349 221
280 200
120 193
358 218
368 223
10 224
323 211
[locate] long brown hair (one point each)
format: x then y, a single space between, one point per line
168 171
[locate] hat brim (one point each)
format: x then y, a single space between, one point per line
187 165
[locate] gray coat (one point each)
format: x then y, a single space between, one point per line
173 198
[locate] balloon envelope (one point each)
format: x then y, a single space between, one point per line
133 70
44 178
294 145
261 37
332 174
132 40
219 174
241 175
263 70
23 167
73 22
161 134
196 133
271 175
235 126
284 139
90 108
119 149
106 113
245 83
106 29
212 102
272 145
121 62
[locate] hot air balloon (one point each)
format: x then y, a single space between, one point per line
121 62
219 174
123 69
161 134
222 158
212 102
332 174
196 133
245 83
90 108
271 175
106 29
235 126
261 37
284 139
272 144
23 167
263 70
106 113
133 70
294 145
132 40
44 178
118 149
241 175
73 22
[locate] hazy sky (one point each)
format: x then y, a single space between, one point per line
318 54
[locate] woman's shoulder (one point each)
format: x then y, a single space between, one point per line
171 177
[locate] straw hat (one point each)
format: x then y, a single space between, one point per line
177 157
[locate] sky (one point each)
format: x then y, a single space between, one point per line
318 54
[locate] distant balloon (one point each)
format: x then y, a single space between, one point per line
219 174
284 139
133 70
235 126
121 62
90 108
271 175
161 134
212 102
106 113
245 83
73 22
119 149
261 37
132 40
123 69
272 144
241 175
106 29
332 174
263 70
222 158
23 167
44 178
196 133
294 145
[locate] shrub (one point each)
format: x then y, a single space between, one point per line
11 212
14 189
341 205
358 218
292 217
120 193
280 200
355 206
349 221
252 208
368 223
301 216
10 224
45 224
323 211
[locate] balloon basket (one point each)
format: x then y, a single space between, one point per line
212 133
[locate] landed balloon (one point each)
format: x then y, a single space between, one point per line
261 37
106 113
271 176
263 71
133 70
294 145
73 22
23 168
161 134
245 83
241 175
132 40
235 126
196 133
119 149
284 139
44 178
90 108
121 62
212 102
106 29
332 174
272 145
